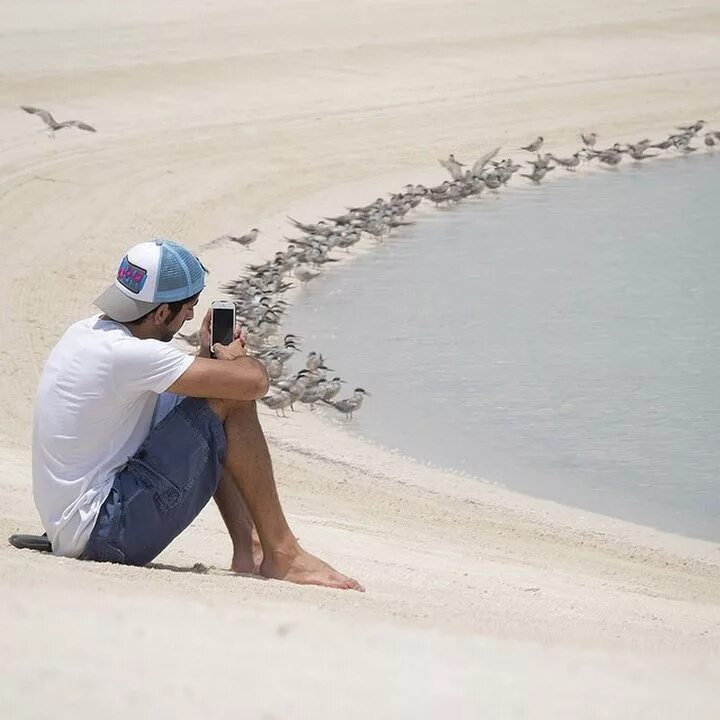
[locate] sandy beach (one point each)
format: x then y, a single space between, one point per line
221 116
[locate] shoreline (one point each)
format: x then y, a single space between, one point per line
310 210
215 119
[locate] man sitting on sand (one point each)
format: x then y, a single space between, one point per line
132 437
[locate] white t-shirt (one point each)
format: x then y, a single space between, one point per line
93 410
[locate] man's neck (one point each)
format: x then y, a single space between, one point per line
138 331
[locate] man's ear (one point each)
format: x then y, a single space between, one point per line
161 314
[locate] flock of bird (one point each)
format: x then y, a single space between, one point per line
257 293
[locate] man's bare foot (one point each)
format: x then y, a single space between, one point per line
303 568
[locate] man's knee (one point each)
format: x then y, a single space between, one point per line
224 408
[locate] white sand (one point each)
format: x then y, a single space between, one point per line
218 116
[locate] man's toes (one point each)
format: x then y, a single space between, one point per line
352 584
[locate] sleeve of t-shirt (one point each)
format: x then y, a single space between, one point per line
147 365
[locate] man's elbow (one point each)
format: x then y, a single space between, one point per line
263 382
260 381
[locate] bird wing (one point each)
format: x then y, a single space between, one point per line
481 162
79 125
47 118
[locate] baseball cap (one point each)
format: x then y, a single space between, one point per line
150 274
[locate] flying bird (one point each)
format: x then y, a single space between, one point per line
53 124
244 240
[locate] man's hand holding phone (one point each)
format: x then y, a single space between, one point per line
225 351
232 351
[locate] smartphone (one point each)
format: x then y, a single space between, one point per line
222 322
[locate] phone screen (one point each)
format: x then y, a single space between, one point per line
222 325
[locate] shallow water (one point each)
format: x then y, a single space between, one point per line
562 340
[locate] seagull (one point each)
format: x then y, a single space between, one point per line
568 163
349 405
314 361
709 140
332 388
538 173
304 274
589 140
481 162
278 402
244 240
638 153
53 124
682 144
453 167
535 145
697 127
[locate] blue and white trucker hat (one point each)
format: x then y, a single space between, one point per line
150 274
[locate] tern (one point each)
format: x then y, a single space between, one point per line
535 145
53 124
537 174
568 163
349 405
332 388
245 240
453 167
304 274
278 402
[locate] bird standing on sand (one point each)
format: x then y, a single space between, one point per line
332 388
278 402
53 124
304 274
695 128
638 153
349 405
538 173
535 145
568 163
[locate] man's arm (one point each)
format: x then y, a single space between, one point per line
231 375
242 378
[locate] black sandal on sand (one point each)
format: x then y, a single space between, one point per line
31 542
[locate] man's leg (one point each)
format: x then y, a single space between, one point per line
247 551
249 464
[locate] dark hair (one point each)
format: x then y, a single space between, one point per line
175 308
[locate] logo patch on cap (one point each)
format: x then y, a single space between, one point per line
131 276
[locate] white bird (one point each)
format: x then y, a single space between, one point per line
332 388
53 124
349 405
278 402
535 145
481 162
314 361
245 240
453 167
304 274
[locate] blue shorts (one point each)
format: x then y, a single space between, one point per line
163 488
